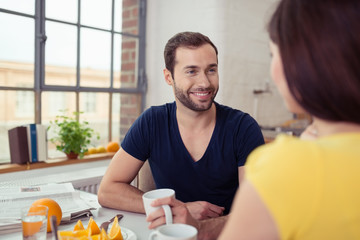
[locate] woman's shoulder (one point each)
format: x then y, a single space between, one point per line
285 152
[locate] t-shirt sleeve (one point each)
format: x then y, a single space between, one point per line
137 139
287 181
249 137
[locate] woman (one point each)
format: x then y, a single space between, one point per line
300 189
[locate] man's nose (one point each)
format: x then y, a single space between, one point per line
203 80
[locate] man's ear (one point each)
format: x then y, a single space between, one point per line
168 77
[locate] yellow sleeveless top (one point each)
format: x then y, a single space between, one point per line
311 188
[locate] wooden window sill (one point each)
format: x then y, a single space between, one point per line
7 168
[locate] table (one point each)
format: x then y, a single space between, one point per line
133 221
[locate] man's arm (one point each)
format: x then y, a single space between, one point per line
241 171
115 190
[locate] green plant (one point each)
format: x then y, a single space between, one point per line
72 136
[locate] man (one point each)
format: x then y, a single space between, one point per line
195 146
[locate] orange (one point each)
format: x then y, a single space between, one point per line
78 226
93 227
112 147
54 209
115 231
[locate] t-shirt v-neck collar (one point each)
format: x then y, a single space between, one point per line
179 139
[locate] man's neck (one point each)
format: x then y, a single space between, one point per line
191 119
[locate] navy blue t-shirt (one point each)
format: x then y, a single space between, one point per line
214 178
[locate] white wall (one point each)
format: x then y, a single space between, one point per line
238 29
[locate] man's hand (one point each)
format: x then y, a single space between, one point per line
179 211
203 210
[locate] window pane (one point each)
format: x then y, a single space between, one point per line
65 10
125 61
10 104
96 13
60 57
17 51
118 15
24 6
53 104
97 115
129 10
95 58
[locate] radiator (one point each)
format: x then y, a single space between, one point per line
90 185
85 177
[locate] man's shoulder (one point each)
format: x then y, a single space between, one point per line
160 109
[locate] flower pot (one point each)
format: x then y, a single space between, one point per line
72 155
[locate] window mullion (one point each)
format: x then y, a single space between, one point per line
39 72
78 58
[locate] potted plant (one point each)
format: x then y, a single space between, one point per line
72 137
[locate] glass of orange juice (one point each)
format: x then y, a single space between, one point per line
34 222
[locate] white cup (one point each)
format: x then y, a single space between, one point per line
150 196
177 231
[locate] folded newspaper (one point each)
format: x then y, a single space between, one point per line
12 199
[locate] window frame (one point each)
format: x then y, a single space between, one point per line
39 61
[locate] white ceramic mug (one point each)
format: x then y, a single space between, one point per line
175 231
150 196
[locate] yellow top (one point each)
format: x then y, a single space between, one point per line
311 188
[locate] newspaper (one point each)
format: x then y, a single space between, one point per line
12 199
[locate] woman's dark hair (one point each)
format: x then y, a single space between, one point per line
183 39
319 44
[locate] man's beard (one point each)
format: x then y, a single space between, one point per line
187 102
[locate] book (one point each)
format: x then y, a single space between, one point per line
41 134
18 143
32 142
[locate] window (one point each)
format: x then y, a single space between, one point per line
74 55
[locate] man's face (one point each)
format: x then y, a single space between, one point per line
196 79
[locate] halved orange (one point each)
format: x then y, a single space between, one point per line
103 235
79 226
115 231
93 227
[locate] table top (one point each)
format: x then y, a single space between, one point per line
133 221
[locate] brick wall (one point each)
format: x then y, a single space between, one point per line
130 103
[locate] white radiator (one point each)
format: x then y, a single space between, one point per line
83 176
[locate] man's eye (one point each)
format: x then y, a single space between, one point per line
191 72
212 70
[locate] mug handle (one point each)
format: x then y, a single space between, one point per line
168 214
152 235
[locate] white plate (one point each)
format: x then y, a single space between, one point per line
126 233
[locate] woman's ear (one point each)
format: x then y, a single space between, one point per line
168 77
